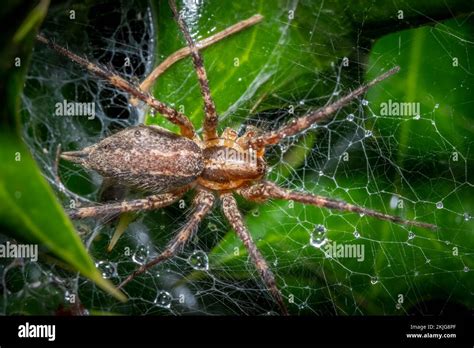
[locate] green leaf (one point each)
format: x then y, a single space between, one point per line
259 74
29 209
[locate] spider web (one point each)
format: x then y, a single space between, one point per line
416 166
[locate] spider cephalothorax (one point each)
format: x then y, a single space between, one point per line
216 166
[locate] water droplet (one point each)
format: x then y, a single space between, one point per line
356 234
411 235
436 106
467 217
140 255
256 212
466 269
318 237
199 260
398 306
439 205
365 102
374 280
163 299
368 133
321 173
350 117
417 117
107 269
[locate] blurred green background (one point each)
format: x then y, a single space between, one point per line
303 55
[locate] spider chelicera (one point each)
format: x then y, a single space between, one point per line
215 166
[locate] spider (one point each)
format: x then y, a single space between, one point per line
215 166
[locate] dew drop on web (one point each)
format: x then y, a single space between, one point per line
140 255
318 237
199 260
107 269
163 299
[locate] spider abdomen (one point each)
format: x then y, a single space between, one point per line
145 157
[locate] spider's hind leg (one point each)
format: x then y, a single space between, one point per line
172 115
267 190
144 204
203 202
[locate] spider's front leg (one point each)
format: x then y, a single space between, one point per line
203 202
210 121
268 190
304 122
150 80
232 213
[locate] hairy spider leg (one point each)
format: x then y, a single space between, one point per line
268 190
203 202
152 202
150 80
233 215
186 127
304 122
210 120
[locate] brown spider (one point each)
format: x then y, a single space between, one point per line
217 166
